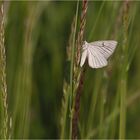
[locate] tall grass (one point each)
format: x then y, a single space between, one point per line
41 69
67 101
23 78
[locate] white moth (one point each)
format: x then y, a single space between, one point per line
97 53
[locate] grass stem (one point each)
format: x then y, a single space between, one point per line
3 84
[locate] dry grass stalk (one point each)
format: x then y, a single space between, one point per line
77 105
80 85
81 32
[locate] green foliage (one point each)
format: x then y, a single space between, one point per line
38 70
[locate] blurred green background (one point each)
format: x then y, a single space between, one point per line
36 38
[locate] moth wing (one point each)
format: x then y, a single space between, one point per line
83 57
106 48
95 58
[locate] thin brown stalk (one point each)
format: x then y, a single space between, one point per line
77 105
3 85
80 83
81 32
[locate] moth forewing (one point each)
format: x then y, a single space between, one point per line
83 57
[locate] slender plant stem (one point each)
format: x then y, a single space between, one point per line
66 88
64 110
3 85
101 115
72 67
81 32
77 105
123 80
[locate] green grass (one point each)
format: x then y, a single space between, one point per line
41 77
